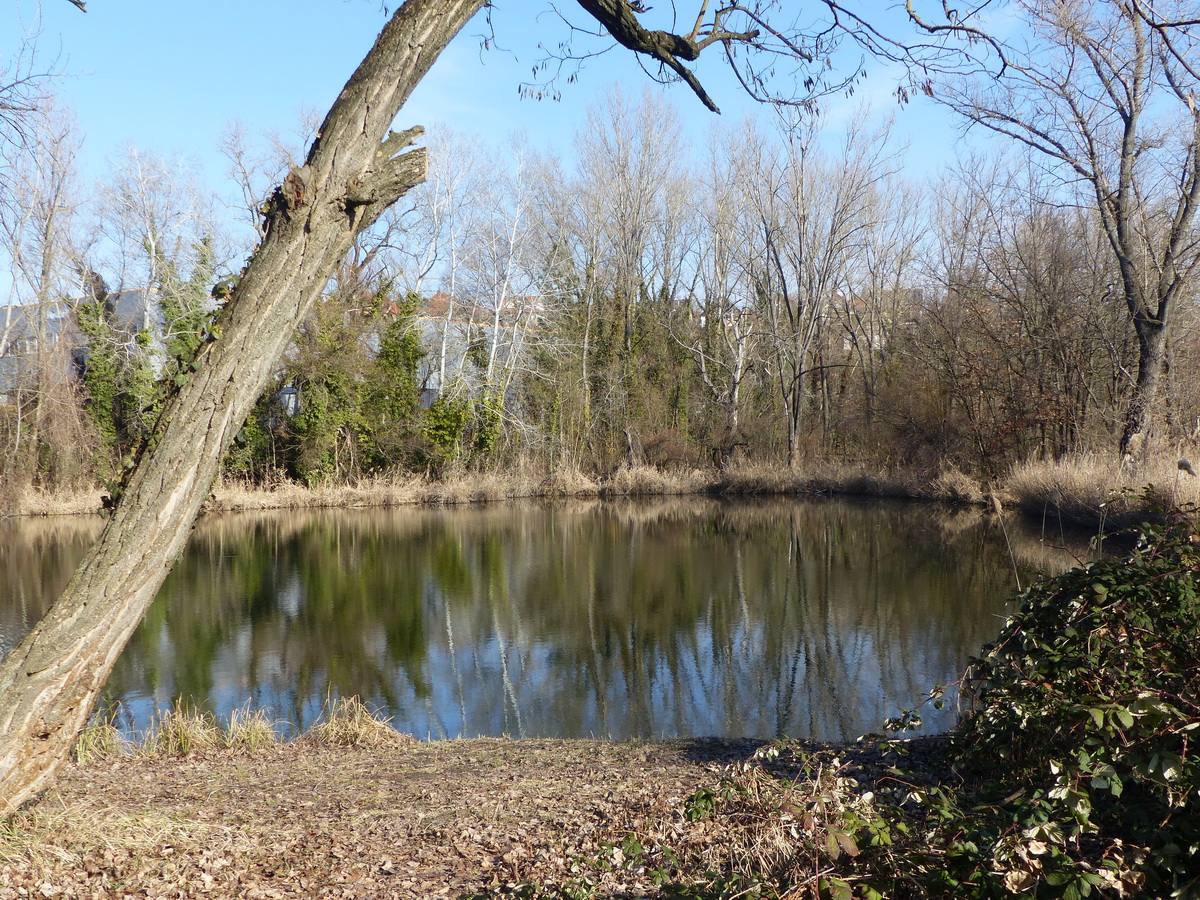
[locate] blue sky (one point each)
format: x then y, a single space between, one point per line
168 76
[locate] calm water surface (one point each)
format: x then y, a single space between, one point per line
668 618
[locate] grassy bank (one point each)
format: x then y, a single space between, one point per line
1090 490
748 479
1094 489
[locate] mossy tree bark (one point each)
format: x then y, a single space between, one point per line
354 171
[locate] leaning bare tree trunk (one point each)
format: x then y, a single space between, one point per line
49 684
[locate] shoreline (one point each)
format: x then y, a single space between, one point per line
1088 492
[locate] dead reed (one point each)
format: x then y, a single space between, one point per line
1101 490
348 722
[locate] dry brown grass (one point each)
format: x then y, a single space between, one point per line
635 481
250 730
56 838
238 497
180 731
747 478
756 478
1095 489
459 488
444 818
35 502
954 486
848 478
478 487
100 741
864 482
348 722
568 483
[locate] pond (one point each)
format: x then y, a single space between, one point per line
667 618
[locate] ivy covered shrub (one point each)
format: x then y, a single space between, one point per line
1085 724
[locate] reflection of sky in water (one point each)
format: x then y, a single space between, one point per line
655 620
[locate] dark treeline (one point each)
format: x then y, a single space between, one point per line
779 295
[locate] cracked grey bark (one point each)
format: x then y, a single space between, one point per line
354 171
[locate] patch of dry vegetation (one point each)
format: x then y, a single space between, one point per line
345 722
852 479
568 483
1088 489
1101 490
101 741
437 819
750 479
348 722
180 731
633 481
36 502
250 730
456 489
954 486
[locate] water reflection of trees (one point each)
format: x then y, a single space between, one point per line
37 556
679 617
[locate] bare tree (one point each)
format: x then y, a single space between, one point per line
876 307
1106 91
37 215
812 217
725 345
258 162
22 80
37 205
628 151
152 215
569 257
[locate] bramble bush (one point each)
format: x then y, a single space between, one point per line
1086 712
1074 774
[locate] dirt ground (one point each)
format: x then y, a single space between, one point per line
437 819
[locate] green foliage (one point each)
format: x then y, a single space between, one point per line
125 387
252 456
445 421
140 399
477 352
488 420
392 392
123 397
100 374
326 425
186 305
355 368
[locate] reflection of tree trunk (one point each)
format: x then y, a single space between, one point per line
49 684
458 682
509 692
599 669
